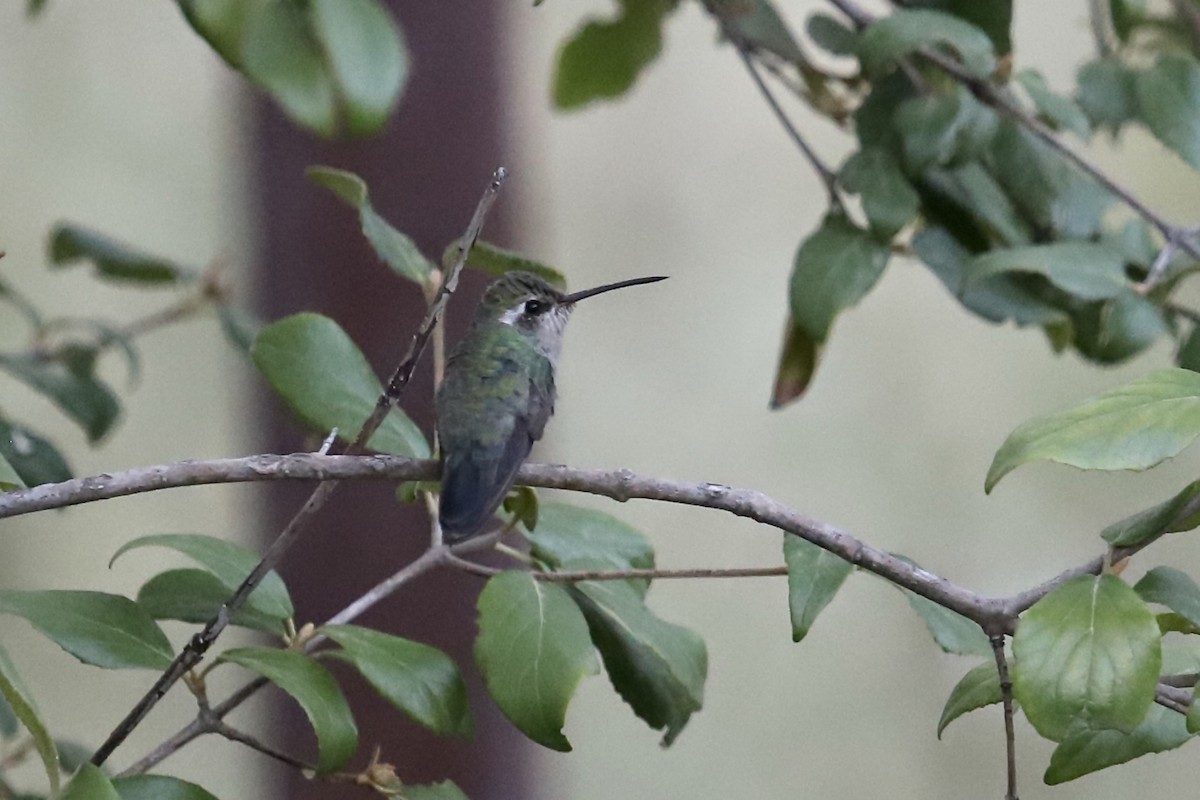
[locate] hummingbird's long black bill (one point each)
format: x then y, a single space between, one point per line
608 287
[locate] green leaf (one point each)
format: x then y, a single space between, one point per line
657 667
603 58
81 396
832 35
230 563
521 504
19 703
889 200
1133 427
993 17
325 379
1084 269
1168 96
533 651
34 7
1172 588
1107 92
9 724
72 755
1179 513
1061 112
35 459
835 267
315 690
446 790
159 787
1088 654
279 54
18 301
239 326
421 681
1046 190
9 478
797 364
114 260
893 37
998 299
193 595
105 630
1114 330
397 250
1175 623
953 632
566 534
978 688
814 577
497 261
760 25
90 783
365 56
1088 750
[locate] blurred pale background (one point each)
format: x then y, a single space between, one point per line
114 114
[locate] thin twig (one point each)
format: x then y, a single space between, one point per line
1006 696
1173 697
746 51
574 576
202 641
1184 680
235 735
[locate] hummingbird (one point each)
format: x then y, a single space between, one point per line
498 393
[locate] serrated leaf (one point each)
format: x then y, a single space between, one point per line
19 704
814 577
310 685
657 667
1061 112
1168 101
889 200
497 261
113 260
1089 750
831 34
567 534
533 650
602 59
1172 588
193 595
420 680
159 787
1086 270
1107 93
104 630
893 37
1087 654
835 267
978 688
798 359
1180 513
90 783
446 790
1133 427
366 58
82 397
325 379
35 459
230 563
397 250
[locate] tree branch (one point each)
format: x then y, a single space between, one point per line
202 641
575 576
990 95
1006 696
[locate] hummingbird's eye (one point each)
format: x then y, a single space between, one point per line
534 307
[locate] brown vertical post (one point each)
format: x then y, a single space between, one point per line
426 173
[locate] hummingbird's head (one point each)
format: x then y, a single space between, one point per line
536 309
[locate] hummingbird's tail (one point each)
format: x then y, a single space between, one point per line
464 507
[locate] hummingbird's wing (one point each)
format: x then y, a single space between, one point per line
485 441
